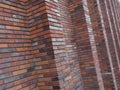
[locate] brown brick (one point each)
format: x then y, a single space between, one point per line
3 45
19 72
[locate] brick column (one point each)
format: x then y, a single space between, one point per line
64 50
41 36
52 47
89 62
100 42
110 43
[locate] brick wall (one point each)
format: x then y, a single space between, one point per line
83 44
59 45
15 48
41 37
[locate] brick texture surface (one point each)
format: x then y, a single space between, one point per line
59 45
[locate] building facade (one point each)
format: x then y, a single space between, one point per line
59 45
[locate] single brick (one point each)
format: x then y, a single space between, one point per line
3 45
2 26
19 72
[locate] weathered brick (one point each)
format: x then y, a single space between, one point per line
5 75
2 26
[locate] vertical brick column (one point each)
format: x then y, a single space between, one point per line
70 46
53 66
116 22
110 43
84 37
93 44
116 54
113 31
41 36
64 49
100 40
116 9
116 37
